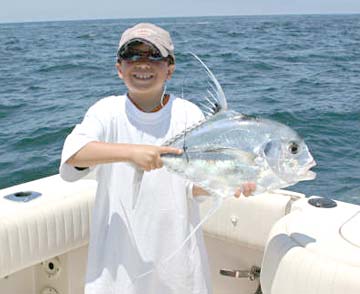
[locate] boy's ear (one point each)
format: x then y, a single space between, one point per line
119 70
171 69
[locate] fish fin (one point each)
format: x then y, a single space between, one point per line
137 180
215 100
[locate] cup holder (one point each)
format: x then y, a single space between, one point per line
23 196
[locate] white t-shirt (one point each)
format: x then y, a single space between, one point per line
129 242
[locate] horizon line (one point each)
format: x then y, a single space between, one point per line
182 16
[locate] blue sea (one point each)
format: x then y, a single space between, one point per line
302 70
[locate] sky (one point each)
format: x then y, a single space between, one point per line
42 10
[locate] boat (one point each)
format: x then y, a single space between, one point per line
273 243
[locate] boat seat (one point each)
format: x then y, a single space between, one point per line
47 226
314 250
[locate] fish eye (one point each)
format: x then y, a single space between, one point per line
293 148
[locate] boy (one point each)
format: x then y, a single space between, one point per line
132 236
129 238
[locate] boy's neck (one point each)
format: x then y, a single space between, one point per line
146 102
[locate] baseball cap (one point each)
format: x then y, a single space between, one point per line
150 33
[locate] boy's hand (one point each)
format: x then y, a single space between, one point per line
148 157
246 189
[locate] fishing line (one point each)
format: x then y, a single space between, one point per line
185 129
217 201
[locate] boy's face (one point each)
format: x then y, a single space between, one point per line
144 76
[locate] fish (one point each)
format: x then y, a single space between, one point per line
228 149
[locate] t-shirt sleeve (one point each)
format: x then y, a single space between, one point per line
91 129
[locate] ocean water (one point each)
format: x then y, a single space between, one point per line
302 70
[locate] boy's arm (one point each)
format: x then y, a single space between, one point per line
147 157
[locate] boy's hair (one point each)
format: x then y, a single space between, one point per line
149 33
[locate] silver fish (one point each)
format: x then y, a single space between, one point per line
229 149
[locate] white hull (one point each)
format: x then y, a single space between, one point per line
43 242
